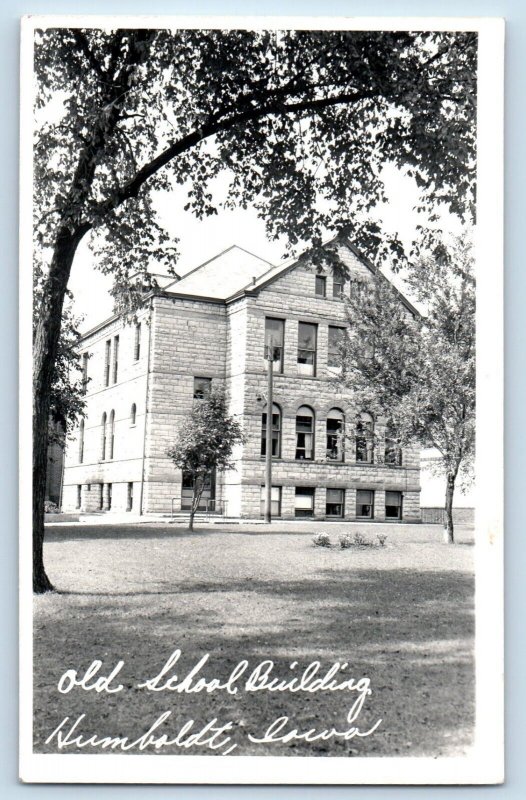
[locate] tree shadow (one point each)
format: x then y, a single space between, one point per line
409 631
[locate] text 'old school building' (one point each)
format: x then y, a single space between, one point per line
330 459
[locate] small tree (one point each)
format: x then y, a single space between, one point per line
205 443
419 370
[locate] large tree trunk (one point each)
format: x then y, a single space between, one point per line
449 533
45 348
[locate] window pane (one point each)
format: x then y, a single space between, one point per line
274 338
337 288
364 503
304 501
202 387
306 336
320 285
334 358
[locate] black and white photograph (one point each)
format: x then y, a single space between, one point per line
261 334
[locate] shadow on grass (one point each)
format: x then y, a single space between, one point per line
409 631
120 532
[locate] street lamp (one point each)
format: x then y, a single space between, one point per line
270 351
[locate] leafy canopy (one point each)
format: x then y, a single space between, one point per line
419 370
299 123
207 437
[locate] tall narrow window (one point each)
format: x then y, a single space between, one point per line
129 500
109 487
107 363
364 439
276 432
81 441
337 287
334 503
307 348
85 357
321 286
104 433
304 501
393 451
305 434
365 504
112 434
393 505
335 434
137 345
115 358
79 495
202 388
274 338
133 414
336 338
275 501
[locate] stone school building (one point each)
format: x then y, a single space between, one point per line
208 329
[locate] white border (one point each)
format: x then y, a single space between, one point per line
485 764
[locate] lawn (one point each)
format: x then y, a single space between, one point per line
401 615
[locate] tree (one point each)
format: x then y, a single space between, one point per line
204 444
300 122
417 370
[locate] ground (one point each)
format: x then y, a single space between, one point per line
400 615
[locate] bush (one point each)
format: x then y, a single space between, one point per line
321 540
381 539
345 541
51 508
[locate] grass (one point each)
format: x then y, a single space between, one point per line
401 615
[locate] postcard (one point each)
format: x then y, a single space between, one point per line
261 348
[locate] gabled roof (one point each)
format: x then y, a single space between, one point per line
222 276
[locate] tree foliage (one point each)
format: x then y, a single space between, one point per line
299 122
418 370
205 443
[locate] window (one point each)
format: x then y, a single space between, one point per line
336 339
321 286
276 432
393 451
112 434
133 414
364 439
115 358
304 501
79 495
103 426
305 434
129 499
137 343
365 503
275 501
85 357
335 434
81 441
307 348
107 359
393 505
334 503
337 287
202 388
274 338
101 501
109 489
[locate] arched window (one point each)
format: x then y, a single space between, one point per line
364 438
276 432
112 433
335 434
104 432
305 434
81 442
393 451
133 414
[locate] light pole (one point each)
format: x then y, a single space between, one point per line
269 357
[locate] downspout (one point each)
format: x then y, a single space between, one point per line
150 336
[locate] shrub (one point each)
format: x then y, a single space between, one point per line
345 541
321 540
51 508
360 540
381 539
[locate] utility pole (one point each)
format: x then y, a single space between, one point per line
269 357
